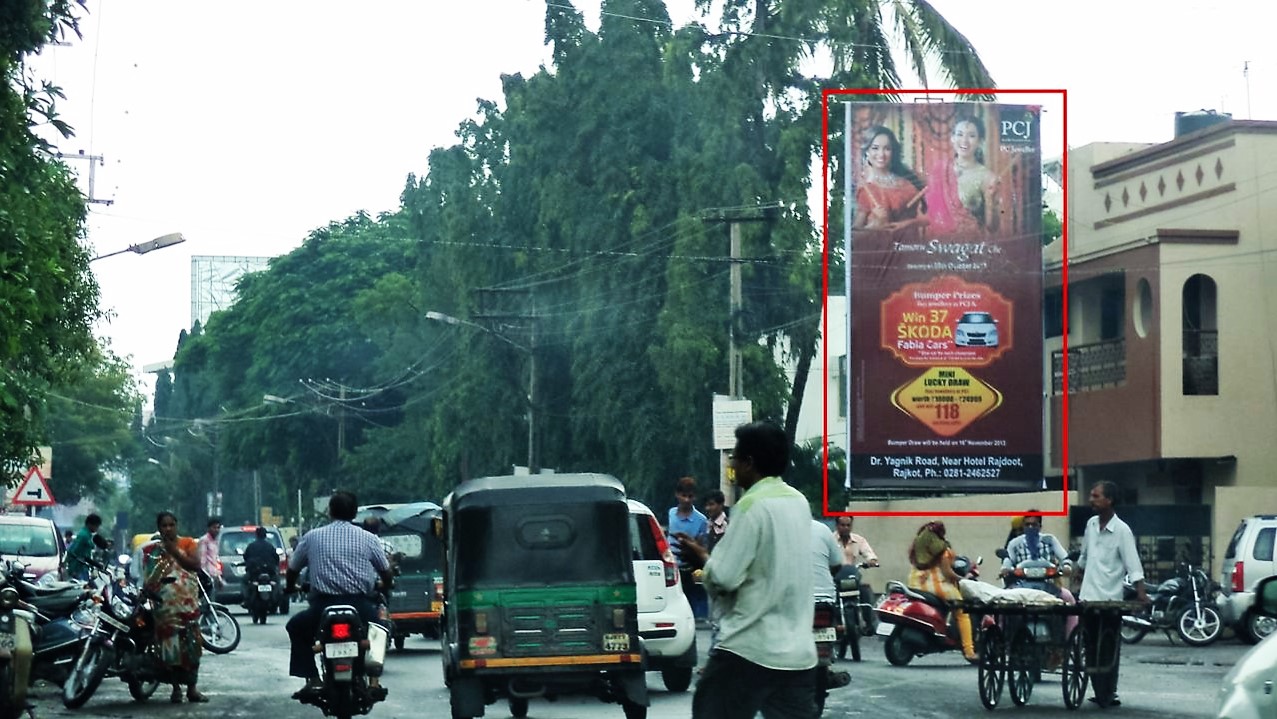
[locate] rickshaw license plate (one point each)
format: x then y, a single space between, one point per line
825 634
8 641
884 629
342 650
264 588
616 642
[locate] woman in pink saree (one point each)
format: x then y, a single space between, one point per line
961 192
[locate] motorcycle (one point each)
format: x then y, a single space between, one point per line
1183 605
352 656
219 631
121 643
826 631
918 623
261 592
855 608
17 619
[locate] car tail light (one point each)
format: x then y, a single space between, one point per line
667 556
1239 577
339 631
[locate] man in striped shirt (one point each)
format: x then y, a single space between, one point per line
345 564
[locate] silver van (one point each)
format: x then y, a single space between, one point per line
1248 559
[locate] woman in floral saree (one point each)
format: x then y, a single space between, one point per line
170 568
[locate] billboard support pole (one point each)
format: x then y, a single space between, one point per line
848 212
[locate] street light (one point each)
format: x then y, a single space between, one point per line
144 247
534 461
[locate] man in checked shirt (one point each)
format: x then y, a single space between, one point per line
345 564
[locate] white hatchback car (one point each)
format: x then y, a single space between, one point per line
665 620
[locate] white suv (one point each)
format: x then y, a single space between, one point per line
665 619
1248 559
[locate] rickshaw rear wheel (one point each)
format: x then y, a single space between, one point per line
632 710
1073 672
518 707
992 667
399 642
1021 662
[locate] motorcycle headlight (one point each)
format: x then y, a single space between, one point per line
120 607
47 579
8 598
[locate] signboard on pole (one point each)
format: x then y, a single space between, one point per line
728 415
34 490
946 301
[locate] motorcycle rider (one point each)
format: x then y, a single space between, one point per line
856 553
260 557
345 563
931 559
1033 543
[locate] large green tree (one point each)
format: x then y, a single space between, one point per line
579 226
48 298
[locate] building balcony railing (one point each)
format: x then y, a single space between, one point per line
1091 366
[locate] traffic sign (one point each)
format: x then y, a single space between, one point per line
34 490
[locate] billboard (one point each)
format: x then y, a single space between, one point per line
946 297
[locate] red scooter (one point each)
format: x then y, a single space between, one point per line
917 623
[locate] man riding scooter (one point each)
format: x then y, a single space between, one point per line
1034 545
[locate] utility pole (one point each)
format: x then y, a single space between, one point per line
530 319
735 365
94 161
734 218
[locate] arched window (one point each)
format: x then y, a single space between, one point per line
1201 337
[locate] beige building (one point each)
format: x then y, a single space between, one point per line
1172 320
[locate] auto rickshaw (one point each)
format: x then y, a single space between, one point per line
416 602
539 593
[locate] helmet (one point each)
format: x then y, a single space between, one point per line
1017 523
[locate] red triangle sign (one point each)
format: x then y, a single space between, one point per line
34 490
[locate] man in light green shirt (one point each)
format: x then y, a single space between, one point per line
760 583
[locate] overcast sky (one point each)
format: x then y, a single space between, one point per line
244 125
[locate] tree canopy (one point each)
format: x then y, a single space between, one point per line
579 227
48 297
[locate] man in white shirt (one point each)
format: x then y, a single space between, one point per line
760 580
1109 556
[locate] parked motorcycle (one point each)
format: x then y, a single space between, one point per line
121 643
262 592
352 653
918 623
17 619
1184 605
855 605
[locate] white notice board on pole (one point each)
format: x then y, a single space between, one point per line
728 415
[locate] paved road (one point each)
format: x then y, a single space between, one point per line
1159 679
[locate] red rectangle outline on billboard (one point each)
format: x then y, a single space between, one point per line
1064 415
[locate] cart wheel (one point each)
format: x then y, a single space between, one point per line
1021 663
1073 677
992 666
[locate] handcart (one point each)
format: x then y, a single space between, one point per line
1026 640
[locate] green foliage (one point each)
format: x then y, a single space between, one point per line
1052 228
579 223
48 298
88 423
